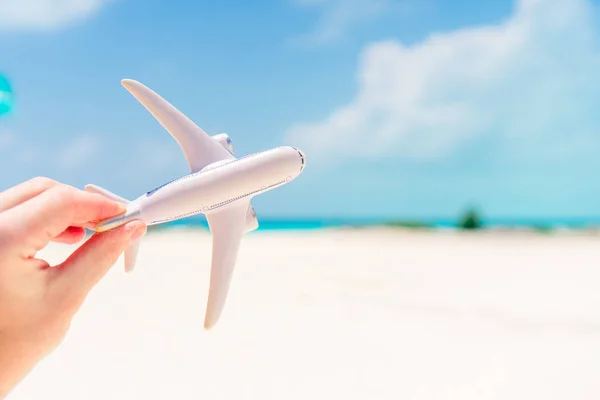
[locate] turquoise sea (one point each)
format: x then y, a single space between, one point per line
271 224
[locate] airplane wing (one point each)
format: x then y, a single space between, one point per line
227 226
106 193
198 147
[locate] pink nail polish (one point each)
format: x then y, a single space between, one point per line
138 233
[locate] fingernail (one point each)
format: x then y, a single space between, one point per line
135 229
139 231
122 207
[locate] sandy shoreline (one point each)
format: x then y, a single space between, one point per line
360 313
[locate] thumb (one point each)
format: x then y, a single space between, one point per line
79 273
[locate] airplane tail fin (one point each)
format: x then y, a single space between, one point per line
132 251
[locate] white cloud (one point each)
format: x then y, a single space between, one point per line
45 14
78 152
337 16
533 78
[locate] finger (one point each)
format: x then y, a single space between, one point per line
79 273
71 235
89 225
27 190
44 217
24 191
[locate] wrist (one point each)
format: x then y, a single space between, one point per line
17 359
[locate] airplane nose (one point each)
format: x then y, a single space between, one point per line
302 158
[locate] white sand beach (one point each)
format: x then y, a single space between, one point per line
348 314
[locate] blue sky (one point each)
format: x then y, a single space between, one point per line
405 108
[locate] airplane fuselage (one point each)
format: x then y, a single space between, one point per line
213 187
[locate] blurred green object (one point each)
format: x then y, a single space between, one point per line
6 96
470 220
408 224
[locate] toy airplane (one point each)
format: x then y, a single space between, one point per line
220 186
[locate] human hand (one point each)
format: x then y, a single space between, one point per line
37 301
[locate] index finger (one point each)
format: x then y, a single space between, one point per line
45 216
24 191
29 189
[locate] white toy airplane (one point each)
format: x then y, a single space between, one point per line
219 185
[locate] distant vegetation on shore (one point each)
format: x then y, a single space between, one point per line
409 224
471 220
